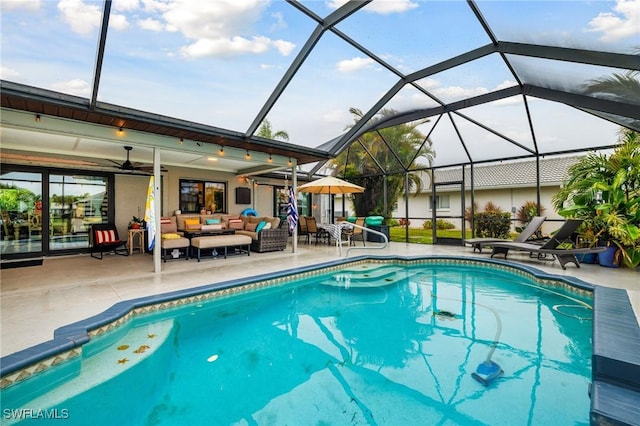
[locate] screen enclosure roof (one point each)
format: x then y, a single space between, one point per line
487 80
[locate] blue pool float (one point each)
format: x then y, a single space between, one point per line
249 212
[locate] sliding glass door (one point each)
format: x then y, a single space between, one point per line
21 214
75 203
45 211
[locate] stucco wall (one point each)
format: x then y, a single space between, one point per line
506 199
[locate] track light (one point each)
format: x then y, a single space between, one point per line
181 141
221 151
120 131
270 159
37 118
248 156
290 163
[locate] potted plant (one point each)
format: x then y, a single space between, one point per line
137 223
604 191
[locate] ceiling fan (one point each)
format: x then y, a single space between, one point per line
128 166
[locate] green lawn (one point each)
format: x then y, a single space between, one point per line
422 236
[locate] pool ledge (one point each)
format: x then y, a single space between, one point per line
615 392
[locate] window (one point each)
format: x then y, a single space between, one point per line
442 202
198 195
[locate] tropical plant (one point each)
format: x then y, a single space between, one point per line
528 211
604 191
266 131
380 156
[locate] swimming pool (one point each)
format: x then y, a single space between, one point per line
364 342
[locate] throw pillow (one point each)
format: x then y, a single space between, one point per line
103 237
212 227
267 225
261 226
213 221
236 224
170 236
250 227
192 224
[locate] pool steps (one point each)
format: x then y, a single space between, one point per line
141 343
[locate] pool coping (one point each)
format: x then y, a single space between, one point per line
616 334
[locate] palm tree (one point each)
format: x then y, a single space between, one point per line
371 161
266 131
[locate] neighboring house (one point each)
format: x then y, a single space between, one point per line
509 185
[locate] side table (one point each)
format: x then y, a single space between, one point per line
136 234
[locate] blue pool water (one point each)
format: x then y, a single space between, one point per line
373 343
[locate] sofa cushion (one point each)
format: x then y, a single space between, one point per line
267 225
214 221
168 224
252 234
212 227
170 236
192 224
236 224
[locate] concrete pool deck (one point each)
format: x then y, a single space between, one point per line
36 300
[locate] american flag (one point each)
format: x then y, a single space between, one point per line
292 210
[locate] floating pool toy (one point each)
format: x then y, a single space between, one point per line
249 212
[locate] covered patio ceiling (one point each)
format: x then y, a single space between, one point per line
493 80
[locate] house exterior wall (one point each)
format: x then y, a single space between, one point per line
507 199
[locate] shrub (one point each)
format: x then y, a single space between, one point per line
492 208
440 224
393 222
492 225
527 211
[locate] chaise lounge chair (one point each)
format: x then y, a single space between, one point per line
550 247
527 232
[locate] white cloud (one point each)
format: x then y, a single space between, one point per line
82 18
118 22
8 73
280 23
223 27
21 4
126 5
622 22
284 47
226 46
354 64
383 7
150 24
76 87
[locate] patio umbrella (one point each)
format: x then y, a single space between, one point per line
150 213
330 185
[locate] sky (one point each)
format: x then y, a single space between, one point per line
217 62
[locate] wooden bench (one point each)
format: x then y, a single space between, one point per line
222 241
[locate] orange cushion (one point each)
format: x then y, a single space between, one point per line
250 226
192 223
